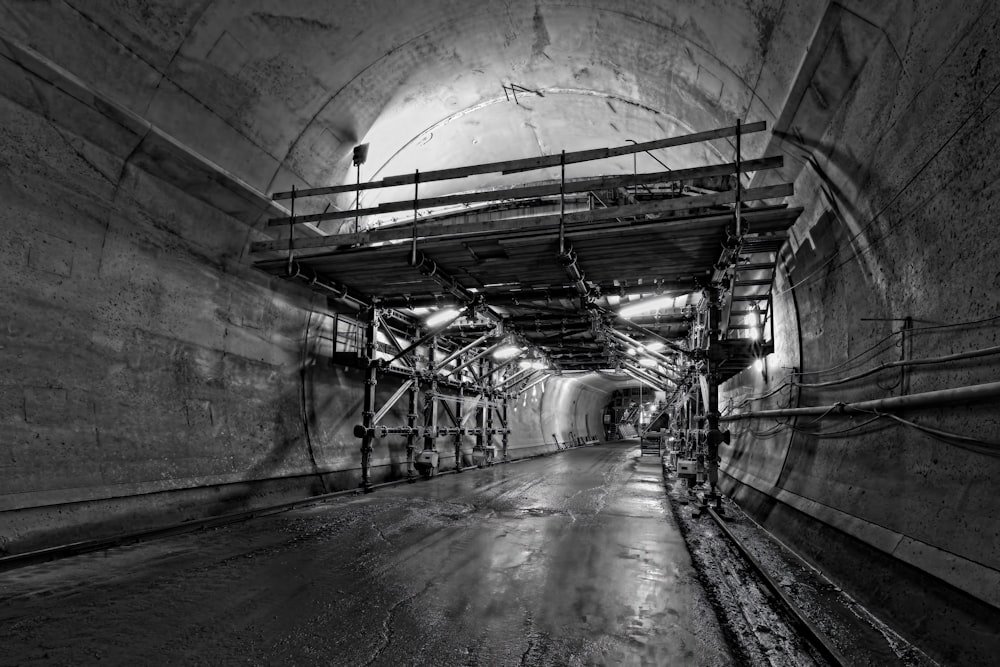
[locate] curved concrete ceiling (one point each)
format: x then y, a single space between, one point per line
279 93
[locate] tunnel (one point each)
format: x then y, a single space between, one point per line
317 268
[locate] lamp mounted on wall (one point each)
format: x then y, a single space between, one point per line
360 155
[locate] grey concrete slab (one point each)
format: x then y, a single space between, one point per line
568 559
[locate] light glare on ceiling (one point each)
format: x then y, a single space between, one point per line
646 305
507 352
442 316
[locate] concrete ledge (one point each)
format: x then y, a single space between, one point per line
969 576
952 625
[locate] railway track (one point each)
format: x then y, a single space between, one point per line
807 630
777 610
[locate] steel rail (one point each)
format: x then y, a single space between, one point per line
813 634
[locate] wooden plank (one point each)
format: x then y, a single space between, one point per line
754 267
770 217
528 164
535 191
528 224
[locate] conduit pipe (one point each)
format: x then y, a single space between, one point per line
649 373
459 352
531 384
627 340
513 379
977 392
972 354
312 279
474 359
641 379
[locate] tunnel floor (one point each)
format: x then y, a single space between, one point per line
567 559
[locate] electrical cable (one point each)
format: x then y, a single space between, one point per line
959 356
831 434
983 352
892 200
889 336
987 447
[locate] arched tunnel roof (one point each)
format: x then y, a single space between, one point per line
278 94
299 84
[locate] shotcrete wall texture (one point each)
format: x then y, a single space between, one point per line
149 375
900 190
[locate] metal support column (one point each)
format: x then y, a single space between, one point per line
458 432
430 402
368 406
490 402
714 436
411 437
506 430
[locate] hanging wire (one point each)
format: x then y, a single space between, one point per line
978 445
889 336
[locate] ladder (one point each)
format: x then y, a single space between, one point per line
628 423
652 445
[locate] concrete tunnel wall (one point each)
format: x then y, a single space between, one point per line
901 192
149 375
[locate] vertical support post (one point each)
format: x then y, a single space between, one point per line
635 172
714 435
291 234
490 406
411 437
739 182
506 434
416 191
562 204
638 421
458 424
430 402
906 349
368 407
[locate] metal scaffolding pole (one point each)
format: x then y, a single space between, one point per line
715 436
411 437
506 430
459 430
368 408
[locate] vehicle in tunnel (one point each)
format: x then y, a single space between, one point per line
777 217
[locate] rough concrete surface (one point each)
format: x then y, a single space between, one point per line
573 559
148 375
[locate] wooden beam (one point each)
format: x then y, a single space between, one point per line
528 224
535 191
528 164
754 267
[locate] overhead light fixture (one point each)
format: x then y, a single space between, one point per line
646 305
359 157
360 154
646 362
655 346
507 352
536 364
631 352
442 316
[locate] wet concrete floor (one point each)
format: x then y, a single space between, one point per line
571 559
